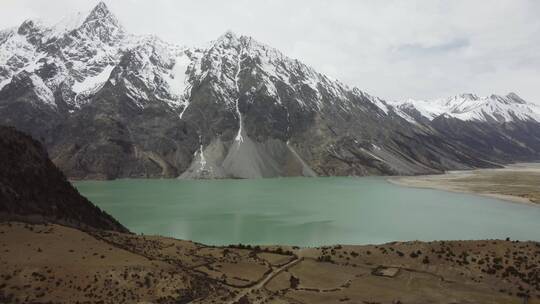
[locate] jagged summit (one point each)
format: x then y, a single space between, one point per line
229 34
99 21
515 98
230 39
28 26
101 24
470 96
99 11
102 13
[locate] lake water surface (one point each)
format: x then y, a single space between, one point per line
307 211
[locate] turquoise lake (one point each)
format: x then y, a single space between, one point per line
307 211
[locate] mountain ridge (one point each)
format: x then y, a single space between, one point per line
110 104
468 106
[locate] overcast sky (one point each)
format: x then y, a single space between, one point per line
394 49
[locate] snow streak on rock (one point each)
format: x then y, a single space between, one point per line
240 136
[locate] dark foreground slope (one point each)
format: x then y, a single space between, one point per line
33 188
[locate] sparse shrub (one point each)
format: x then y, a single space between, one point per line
294 281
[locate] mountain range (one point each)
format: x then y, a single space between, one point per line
109 104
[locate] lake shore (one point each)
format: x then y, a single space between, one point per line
517 183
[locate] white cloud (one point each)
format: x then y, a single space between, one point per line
391 48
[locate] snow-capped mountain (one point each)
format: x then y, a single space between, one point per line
502 128
75 58
469 107
109 104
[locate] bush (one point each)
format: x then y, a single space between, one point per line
294 282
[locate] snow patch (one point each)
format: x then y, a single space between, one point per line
42 90
404 115
93 82
178 78
381 105
240 136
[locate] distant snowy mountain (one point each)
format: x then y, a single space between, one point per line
110 104
502 128
469 107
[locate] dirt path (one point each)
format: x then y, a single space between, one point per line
265 279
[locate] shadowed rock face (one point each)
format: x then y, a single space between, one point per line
32 188
501 142
107 104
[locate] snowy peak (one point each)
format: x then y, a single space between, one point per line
271 69
469 96
76 56
99 20
228 36
101 13
470 107
101 24
33 31
28 27
228 40
515 98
